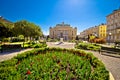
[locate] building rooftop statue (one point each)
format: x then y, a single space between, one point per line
117 9
62 24
75 27
50 27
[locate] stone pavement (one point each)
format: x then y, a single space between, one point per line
111 63
61 45
11 54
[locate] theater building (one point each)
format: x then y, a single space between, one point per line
64 31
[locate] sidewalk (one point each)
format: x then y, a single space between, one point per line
111 63
9 55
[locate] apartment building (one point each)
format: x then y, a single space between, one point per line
113 26
98 31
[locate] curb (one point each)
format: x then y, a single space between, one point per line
111 76
111 55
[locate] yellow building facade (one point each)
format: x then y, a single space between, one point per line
98 31
64 31
102 31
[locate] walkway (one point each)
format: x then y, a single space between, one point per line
11 54
61 45
111 63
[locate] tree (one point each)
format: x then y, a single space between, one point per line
35 30
92 38
47 37
6 29
27 29
77 38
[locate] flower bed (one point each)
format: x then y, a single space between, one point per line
35 45
52 64
88 46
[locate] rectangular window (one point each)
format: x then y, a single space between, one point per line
53 32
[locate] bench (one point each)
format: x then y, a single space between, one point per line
7 47
110 50
117 44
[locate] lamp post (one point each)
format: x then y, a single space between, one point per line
110 37
95 34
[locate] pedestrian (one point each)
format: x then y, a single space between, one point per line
1 49
100 50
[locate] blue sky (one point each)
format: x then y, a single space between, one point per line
45 13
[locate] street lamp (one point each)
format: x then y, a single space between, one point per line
95 34
110 37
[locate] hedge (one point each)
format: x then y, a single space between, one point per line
88 46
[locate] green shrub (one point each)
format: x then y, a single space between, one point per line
88 46
35 45
5 39
17 39
52 40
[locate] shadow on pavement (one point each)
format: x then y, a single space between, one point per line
4 52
